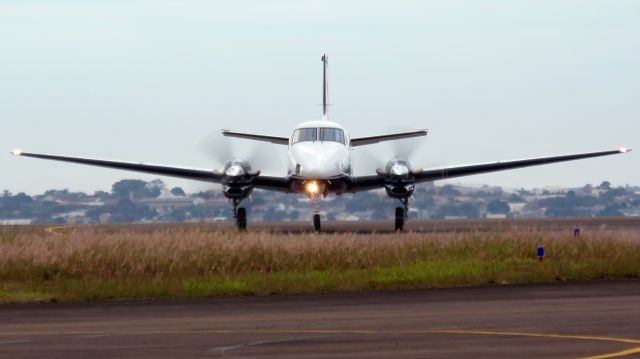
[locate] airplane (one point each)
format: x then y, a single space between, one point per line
319 164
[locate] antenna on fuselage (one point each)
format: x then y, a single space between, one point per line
325 87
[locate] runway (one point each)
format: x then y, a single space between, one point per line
566 225
568 320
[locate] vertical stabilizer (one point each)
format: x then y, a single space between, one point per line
325 87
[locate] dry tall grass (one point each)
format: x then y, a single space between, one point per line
137 262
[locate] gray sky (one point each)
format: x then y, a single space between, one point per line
147 80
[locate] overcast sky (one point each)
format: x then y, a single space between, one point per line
146 81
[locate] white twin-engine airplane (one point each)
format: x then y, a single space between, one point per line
320 164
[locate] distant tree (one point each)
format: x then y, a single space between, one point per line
606 185
137 189
610 211
124 211
102 195
448 190
177 191
129 189
16 203
155 187
524 193
497 206
468 210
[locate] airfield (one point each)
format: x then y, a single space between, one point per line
571 320
560 317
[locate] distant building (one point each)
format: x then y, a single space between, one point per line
166 201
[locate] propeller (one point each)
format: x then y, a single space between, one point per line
367 159
261 156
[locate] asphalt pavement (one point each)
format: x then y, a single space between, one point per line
564 320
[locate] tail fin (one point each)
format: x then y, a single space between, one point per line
325 87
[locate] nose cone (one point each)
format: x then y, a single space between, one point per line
399 170
235 171
319 159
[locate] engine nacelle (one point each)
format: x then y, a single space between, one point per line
237 179
398 178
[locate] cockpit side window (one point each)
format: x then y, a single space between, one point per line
332 134
305 134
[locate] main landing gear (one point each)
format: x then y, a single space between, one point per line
316 222
240 215
401 214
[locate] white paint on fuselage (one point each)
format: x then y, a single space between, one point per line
319 159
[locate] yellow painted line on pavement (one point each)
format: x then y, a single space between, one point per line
57 331
544 335
621 353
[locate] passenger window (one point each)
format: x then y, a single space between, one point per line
304 134
332 134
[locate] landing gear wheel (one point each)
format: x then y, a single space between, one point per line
399 219
316 222
241 219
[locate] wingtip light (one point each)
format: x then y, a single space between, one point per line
624 150
16 152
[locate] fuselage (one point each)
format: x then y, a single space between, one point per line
319 150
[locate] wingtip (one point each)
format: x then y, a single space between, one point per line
624 150
17 152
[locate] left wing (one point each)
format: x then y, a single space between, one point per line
365 183
459 171
361 141
188 173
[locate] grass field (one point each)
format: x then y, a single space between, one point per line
162 261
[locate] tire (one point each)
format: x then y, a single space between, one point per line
316 222
399 219
241 219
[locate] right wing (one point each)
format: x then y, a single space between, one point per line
281 184
250 136
188 173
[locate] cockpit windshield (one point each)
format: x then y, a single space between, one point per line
325 134
332 134
305 134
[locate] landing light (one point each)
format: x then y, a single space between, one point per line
312 187
16 152
623 150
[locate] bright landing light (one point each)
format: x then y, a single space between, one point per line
16 152
312 187
623 150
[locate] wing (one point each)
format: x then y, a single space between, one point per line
188 173
366 183
269 183
361 141
249 136
459 171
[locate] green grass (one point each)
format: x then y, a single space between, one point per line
112 263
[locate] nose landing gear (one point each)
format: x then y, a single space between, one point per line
315 200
